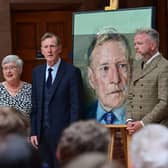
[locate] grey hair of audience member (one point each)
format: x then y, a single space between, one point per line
149 147
13 58
93 160
16 152
81 137
109 34
150 32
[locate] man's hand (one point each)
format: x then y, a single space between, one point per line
132 127
34 141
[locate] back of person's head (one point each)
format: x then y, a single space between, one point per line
13 121
81 137
149 147
93 160
16 152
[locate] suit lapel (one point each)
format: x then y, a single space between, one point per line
57 80
141 73
93 110
41 84
137 73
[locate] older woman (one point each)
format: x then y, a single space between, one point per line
13 91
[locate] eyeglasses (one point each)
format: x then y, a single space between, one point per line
11 68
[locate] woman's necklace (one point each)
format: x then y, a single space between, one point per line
13 91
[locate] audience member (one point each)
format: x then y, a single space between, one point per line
16 152
108 75
13 122
149 147
93 160
148 93
14 92
81 137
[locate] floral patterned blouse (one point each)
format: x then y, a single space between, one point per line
21 101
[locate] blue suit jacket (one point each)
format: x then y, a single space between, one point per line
64 101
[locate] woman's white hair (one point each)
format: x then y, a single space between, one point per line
13 58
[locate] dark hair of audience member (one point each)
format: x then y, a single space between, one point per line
13 121
16 152
81 137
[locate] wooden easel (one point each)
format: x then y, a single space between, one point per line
113 5
126 139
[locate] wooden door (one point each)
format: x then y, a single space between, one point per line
27 29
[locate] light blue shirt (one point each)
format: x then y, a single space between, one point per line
120 117
55 70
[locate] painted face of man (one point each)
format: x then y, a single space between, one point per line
108 74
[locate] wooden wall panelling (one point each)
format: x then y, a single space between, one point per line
161 19
162 23
27 29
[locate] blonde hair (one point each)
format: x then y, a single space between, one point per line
50 35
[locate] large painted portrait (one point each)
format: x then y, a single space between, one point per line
103 50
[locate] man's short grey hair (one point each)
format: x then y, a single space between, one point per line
13 58
109 34
149 147
151 32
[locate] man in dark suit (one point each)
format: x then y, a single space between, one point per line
56 99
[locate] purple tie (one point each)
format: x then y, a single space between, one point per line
109 117
49 79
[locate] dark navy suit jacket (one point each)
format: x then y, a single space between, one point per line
90 112
65 101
